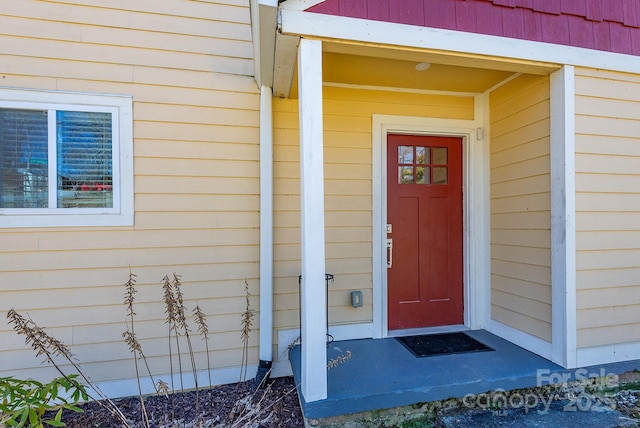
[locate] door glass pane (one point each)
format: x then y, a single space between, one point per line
440 155
405 155
405 175
439 175
423 175
85 177
23 159
422 155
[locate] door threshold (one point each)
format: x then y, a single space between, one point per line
428 330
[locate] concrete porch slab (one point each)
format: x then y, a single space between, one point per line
375 374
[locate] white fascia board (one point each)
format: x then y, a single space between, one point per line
300 4
264 21
376 33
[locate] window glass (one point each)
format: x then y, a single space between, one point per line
23 159
422 155
423 175
84 160
405 155
405 175
439 175
440 155
82 153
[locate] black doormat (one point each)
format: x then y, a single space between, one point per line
429 345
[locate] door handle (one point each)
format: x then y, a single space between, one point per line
389 253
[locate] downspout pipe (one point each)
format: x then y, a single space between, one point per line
266 236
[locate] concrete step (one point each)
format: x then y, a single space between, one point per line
582 412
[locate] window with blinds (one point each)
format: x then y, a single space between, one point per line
55 159
24 159
84 160
66 159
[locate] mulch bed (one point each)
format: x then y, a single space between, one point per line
234 405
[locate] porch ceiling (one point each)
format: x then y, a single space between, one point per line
396 68
370 71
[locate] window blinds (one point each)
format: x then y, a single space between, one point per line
82 153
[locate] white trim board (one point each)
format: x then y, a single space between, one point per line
520 338
502 49
604 354
479 225
563 218
300 4
128 387
405 90
222 376
472 209
429 330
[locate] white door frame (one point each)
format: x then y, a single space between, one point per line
475 208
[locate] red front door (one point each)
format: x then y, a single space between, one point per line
424 211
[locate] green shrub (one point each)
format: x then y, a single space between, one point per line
25 402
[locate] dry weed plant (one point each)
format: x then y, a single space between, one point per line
203 329
169 303
134 345
247 322
172 320
50 348
339 360
250 413
184 327
297 341
245 414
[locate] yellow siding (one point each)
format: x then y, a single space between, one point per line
608 207
188 66
348 189
520 206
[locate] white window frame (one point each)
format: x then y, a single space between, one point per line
121 109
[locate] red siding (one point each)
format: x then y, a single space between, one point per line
547 6
466 16
573 7
609 25
378 10
408 12
593 10
614 12
630 9
437 12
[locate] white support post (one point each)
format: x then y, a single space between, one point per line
563 218
266 225
313 294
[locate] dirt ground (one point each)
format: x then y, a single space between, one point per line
237 405
234 405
